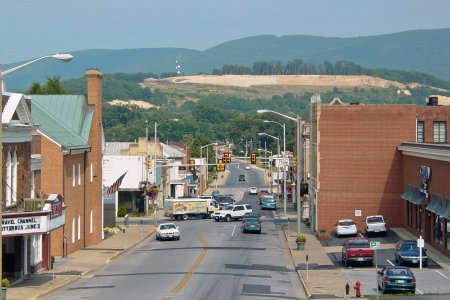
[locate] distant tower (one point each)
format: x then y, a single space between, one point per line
178 65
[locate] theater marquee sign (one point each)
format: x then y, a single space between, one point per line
24 225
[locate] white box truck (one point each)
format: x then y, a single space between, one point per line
183 209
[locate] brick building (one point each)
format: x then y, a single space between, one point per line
70 142
369 159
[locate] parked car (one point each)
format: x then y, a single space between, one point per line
167 231
252 215
375 224
396 279
242 177
253 191
357 250
251 225
345 227
247 167
268 203
215 193
408 252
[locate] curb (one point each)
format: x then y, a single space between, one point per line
305 287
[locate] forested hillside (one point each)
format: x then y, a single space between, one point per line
418 50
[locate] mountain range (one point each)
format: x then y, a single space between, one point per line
425 51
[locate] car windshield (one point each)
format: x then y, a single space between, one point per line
228 207
375 220
269 200
399 272
168 226
346 223
358 244
268 197
409 247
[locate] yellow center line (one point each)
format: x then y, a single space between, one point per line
193 268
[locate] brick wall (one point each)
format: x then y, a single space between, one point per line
94 158
360 167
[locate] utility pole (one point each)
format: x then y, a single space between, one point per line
146 166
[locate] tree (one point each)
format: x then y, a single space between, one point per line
53 86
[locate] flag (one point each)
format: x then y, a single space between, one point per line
115 186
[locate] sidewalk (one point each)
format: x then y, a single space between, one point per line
82 262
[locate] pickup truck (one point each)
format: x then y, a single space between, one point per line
375 224
357 250
232 212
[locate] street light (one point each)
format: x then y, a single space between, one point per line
284 162
63 57
207 159
154 171
278 142
299 159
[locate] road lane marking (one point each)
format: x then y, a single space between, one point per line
419 291
194 267
441 274
390 262
234 228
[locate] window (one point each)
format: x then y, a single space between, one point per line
439 132
8 180
420 131
32 185
73 229
79 174
79 227
73 175
90 222
35 249
14 179
92 172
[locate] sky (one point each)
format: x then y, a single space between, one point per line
31 29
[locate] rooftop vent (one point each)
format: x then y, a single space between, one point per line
432 101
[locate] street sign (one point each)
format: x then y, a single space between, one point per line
421 242
375 245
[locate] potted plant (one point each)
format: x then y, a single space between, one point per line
5 285
300 240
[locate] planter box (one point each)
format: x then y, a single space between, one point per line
300 246
323 236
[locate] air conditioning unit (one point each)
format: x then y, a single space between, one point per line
34 204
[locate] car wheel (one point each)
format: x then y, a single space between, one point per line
367 234
228 218
425 264
211 215
178 238
185 217
413 292
400 261
370 263
217 220
157 237
259 232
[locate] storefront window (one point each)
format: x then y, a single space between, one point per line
410 213
439 227
418 219
448 233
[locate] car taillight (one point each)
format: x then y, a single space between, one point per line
387 280
246 225
413 280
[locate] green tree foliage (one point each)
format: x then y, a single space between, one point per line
53 86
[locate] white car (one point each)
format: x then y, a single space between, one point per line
167 231
247 167
253 191
346 227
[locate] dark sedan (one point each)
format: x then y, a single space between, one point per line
408 252
396 279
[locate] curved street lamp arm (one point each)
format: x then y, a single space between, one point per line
63 57
261 111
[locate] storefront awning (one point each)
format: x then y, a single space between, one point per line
412 194
439 205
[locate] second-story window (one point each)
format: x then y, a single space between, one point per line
420 132
79 174
439 132
73 175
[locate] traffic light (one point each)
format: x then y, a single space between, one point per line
226 158
192 165
295 161
220 166
149 164
253 158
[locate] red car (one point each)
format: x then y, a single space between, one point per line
261 194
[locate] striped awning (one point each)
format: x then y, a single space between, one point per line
439 205
412 194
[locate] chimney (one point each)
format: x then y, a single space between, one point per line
94 93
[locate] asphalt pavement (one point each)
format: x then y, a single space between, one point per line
320 277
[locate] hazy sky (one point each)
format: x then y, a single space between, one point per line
33 28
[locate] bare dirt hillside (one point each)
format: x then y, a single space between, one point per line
305 80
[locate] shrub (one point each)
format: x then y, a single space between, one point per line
5 282
300 239
323 231
121 211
